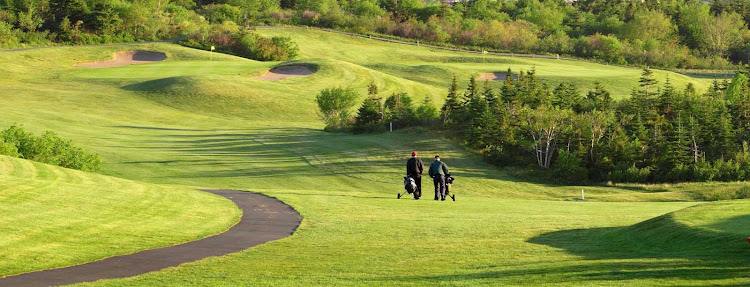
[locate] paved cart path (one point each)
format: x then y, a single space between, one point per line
263 219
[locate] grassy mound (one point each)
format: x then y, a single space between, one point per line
54 217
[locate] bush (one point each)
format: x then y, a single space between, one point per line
7 35
568 168
220 13
47 148
334 105
227 38
630 174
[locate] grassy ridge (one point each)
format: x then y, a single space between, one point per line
172 123
438 66
53 217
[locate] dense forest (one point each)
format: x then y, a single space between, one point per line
657 33
661 133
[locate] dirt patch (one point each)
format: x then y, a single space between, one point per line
284 72
124 58
496 76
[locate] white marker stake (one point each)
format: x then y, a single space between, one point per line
582 197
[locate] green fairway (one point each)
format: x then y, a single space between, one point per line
194 122
54 217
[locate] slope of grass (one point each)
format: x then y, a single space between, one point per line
175 123
418 62
52 217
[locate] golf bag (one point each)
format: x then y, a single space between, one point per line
448 182
409 185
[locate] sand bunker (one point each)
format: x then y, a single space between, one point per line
284 72
496 76
125 58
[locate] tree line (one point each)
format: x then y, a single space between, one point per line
374 115
669 34
661 133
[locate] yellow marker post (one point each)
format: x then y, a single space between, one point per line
212 52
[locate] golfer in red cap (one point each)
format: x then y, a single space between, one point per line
414 169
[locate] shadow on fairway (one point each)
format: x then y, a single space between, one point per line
653 249
687 252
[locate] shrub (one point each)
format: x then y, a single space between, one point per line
47 148
7 36
227 38
334 105
630 174
220 13
568 168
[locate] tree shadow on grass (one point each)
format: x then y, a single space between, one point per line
702 253
660 248
578 273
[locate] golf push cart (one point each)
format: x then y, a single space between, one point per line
411 186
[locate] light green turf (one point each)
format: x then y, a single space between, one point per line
438 66
53 217
173 123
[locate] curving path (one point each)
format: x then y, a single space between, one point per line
263 219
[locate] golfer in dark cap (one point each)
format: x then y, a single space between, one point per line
437 171
414 169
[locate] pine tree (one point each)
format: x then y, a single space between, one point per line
508 91
453 104
494 102
472 91
369 116
474 102
637 128
426 112
599 99
667 101
647 83
372 89
677 149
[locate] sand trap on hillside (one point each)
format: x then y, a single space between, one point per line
124 58
496 76
280 73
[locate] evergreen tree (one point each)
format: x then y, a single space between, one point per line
668 101
426 112
508 91
677 149
369 116
452 109
494 101
399 110
647 83
372 89
599 99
